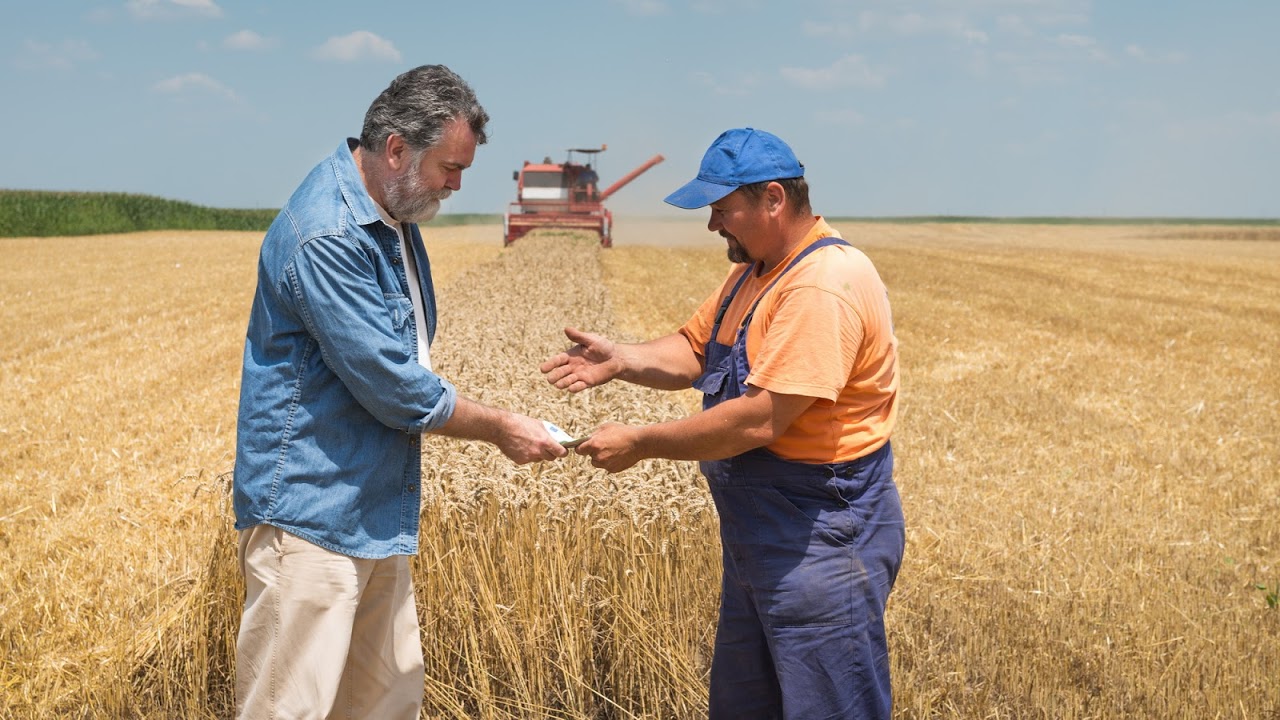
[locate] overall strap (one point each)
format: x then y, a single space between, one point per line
715 331
817 245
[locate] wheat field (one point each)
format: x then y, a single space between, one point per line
1087 456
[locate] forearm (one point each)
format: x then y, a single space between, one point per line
667 363
731 428
474 421
721 432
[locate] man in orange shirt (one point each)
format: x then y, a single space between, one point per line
797 359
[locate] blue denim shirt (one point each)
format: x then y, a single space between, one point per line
333 402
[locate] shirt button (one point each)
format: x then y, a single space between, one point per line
395 260
413 488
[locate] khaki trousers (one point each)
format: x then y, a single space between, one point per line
325 635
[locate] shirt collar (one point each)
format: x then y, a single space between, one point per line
354 193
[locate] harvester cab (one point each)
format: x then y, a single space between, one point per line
564 196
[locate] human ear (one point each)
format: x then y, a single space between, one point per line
775 197
396 151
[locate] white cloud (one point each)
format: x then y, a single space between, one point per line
155 9
1082 42
61 56
359 45
643 8
207 7
848 71
1143 55
909 24
195 82
247 40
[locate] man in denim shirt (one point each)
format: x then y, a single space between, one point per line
336 393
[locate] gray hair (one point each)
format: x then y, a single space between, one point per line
417 106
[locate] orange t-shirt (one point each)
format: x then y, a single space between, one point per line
824 331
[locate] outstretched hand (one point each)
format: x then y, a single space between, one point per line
590 362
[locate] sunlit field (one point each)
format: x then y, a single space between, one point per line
1088 457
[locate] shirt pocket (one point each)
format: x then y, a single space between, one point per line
401 310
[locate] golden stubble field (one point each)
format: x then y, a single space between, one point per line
1087 457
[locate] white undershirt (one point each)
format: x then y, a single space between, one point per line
415 289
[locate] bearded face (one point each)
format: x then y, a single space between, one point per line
735 251
406 198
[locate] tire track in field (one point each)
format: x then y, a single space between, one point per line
498 322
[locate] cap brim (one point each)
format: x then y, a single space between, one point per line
698 193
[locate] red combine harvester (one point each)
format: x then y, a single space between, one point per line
550 195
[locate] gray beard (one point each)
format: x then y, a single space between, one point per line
408 202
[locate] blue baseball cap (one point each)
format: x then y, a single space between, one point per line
738 157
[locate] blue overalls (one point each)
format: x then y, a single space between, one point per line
810 554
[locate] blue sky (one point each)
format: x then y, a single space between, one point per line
896 107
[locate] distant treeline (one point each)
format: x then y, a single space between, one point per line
38 213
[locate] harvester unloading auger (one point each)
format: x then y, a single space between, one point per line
551 195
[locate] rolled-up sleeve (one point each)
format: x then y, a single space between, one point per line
333 285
